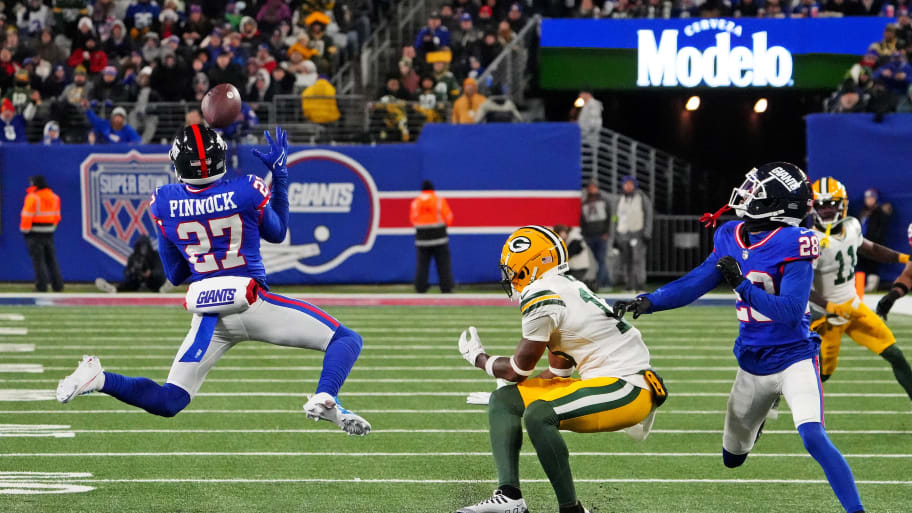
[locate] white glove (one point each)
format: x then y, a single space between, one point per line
470 345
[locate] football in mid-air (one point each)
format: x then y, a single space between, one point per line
221 105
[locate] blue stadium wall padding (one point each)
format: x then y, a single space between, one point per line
862 154
349 204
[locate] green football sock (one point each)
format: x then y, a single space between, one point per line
542 425
901 368
505 411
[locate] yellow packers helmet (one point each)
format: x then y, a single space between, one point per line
531 253
831 202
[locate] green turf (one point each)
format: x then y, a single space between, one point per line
257 452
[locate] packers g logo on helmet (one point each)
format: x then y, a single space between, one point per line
531 253
831 202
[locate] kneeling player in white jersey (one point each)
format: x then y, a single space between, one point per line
841 242
559 314
210 237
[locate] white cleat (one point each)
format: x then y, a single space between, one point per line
105 286
326 407
87 378
497 503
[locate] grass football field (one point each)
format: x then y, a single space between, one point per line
243 445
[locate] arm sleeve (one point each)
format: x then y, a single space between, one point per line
173 262
98 124
647 216
132 135
539 328
446 213
274 218
794 290
28 212
688 288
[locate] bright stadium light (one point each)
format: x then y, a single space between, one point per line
761 106
693 103
579 102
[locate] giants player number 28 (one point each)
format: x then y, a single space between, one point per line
808 246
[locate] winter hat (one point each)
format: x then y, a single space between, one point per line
465 17
119 111
485 9
51 125
80 70
110 70
7 105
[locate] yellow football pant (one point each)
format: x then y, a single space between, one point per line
590 405
867 330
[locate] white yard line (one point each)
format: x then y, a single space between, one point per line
11 317
29 368
486 381
438 431
17 348
314 355
443 394
13 331
219 454
28 394
358 480
479 410
424 368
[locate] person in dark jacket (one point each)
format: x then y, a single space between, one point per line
55 83
108 89
170 78
226 71
596 225
875 219
143 269
119 46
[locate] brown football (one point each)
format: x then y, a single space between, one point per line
221 105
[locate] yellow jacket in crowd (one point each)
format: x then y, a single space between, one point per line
318 102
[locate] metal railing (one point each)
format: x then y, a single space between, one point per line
507 74
607 156
678 244
382 50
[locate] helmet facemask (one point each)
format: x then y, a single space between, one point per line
753 189
829 211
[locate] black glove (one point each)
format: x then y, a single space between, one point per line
730 270
886 302
637 307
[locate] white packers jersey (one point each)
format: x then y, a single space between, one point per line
578 325
834 271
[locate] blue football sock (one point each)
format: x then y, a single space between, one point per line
834 465
341 354
166 400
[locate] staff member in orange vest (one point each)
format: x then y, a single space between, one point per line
40 215
430 216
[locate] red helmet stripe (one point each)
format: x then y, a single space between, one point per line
200 150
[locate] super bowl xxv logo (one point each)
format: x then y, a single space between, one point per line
334 213
116 189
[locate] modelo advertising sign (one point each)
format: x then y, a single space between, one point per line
703 53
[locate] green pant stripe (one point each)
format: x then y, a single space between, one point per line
600 407
587 391
535 296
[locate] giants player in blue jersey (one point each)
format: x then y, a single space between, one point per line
767 260
210 238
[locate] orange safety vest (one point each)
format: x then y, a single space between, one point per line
430 215
41 211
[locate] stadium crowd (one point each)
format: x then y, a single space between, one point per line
62 59
882 81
